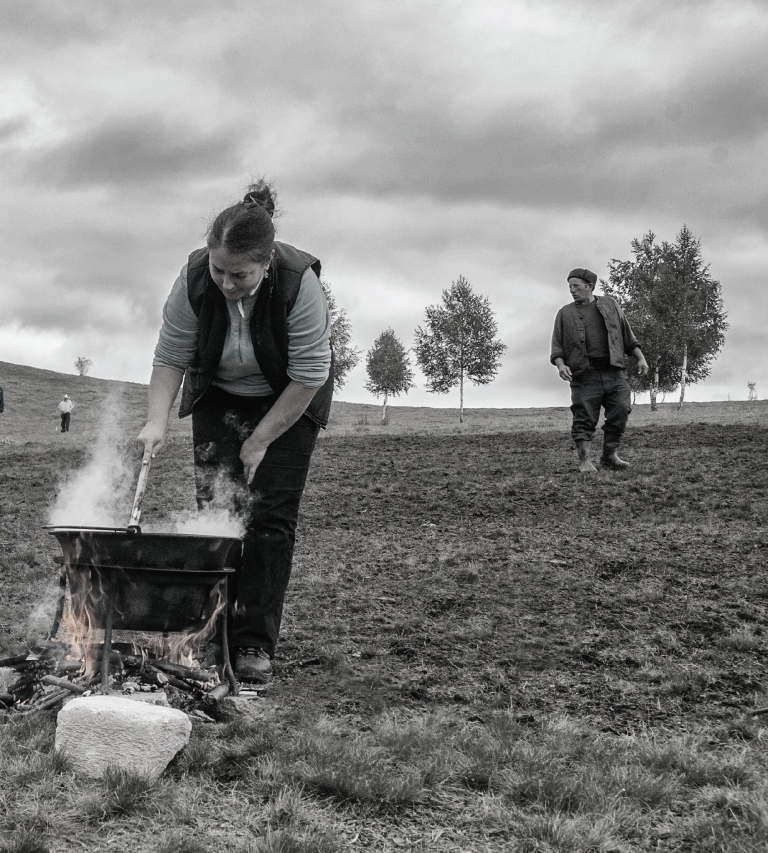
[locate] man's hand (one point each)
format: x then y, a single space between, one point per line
563 371
642 364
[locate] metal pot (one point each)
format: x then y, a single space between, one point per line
145 581
130 547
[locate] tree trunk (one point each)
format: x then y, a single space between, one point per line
655 387
461 400
682 375
384 408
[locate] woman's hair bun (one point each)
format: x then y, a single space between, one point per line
262 195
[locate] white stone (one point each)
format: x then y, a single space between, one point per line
98 732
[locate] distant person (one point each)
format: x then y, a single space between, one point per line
589 342
2 400
248 329
65 408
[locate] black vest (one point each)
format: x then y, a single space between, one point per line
269 327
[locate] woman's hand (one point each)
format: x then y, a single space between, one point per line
150 440
251 454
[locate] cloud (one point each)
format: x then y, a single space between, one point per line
141 149
411 142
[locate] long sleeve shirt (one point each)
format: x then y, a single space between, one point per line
309 329
569 339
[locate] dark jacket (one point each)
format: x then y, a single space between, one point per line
268 326
569 339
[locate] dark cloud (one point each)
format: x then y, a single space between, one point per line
141 149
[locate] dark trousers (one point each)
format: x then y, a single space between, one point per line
65 421
269 509
595 388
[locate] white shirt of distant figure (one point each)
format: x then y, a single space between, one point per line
66 405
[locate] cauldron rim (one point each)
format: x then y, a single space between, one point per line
124 531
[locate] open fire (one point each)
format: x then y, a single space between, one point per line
138 612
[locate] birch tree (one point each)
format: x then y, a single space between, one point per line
701 319
388 368
674 307
458 342
345 356
641 288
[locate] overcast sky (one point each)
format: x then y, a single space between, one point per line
410 141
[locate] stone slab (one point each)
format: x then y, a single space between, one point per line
98 732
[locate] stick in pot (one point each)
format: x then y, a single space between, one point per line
141 487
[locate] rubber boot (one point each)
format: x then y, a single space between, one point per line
610 457
583 451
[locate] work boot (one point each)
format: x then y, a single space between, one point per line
610 457
252 664
583 451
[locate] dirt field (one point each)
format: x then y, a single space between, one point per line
473 570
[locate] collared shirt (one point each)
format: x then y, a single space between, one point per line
569 340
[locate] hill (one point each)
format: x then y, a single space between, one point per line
32 395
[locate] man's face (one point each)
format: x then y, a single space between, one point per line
581 292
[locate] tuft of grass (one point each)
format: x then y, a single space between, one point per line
181 842
24 842
123 792
739 640
320 841
347 768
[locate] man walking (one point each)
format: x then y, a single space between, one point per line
65 407
589 342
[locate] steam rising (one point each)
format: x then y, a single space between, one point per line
99 493
225 515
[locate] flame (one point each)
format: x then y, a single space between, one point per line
82 623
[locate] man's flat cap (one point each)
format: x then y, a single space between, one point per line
583 274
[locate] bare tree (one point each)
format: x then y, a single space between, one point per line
752 391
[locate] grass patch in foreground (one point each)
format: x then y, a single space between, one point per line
297 783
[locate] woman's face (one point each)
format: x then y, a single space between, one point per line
235 275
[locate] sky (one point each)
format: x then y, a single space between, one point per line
410 142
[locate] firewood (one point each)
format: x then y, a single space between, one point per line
7 698
13 661
184 671
217 694
180 684
51 700
150 675
69 665
63 683
22 682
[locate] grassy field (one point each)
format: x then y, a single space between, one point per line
483 650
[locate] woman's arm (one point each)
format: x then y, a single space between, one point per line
163 388
288 408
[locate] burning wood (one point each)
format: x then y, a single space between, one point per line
48 676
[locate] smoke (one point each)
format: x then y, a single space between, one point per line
98 495
224 514
101 493
41 618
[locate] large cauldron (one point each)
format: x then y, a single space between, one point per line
144 581
130 547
